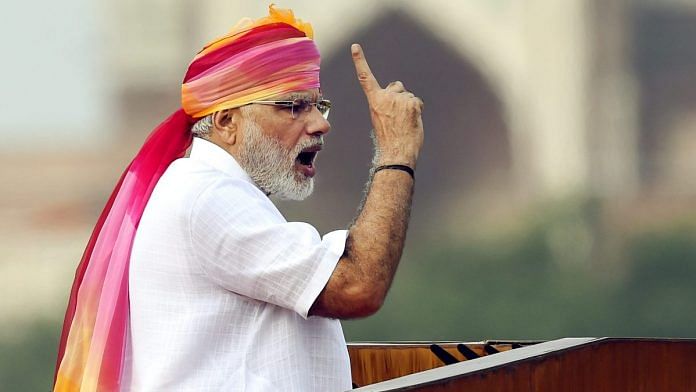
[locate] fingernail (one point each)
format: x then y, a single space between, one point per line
355 48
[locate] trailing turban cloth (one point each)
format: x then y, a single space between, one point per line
257 60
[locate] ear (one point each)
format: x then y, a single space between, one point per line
226 125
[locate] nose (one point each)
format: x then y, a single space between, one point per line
317 124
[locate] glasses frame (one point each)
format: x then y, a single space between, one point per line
300 105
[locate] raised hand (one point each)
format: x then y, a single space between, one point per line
362 277
396 116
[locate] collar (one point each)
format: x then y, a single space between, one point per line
213 155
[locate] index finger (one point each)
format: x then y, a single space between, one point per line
365 76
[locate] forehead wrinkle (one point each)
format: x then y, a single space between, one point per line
307 95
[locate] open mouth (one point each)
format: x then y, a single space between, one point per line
305 159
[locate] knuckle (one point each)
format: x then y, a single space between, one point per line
363 76
416 103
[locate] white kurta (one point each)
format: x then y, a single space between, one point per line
220 288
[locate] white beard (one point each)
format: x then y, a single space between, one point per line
272 166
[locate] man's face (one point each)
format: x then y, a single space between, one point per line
278 151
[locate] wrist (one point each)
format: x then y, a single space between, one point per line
404 168
393 152
382 159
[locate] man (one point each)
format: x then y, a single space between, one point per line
219 292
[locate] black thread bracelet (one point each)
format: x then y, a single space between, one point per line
396 167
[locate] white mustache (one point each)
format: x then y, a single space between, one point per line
316 141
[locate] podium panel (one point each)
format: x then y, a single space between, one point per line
571 364
375 362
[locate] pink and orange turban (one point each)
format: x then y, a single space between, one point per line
257 60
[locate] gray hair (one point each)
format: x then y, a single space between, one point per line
203 127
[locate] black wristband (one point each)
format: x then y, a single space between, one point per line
396 167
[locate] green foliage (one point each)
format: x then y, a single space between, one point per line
27 362
534 283
659 295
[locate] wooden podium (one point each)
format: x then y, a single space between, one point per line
571 364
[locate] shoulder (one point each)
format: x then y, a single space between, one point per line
197 179
188 185
233 193
229 199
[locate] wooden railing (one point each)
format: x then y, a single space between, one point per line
571 364
375 362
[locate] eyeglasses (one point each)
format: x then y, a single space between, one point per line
301 105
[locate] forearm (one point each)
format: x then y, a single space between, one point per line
375 241
374 245
377 237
